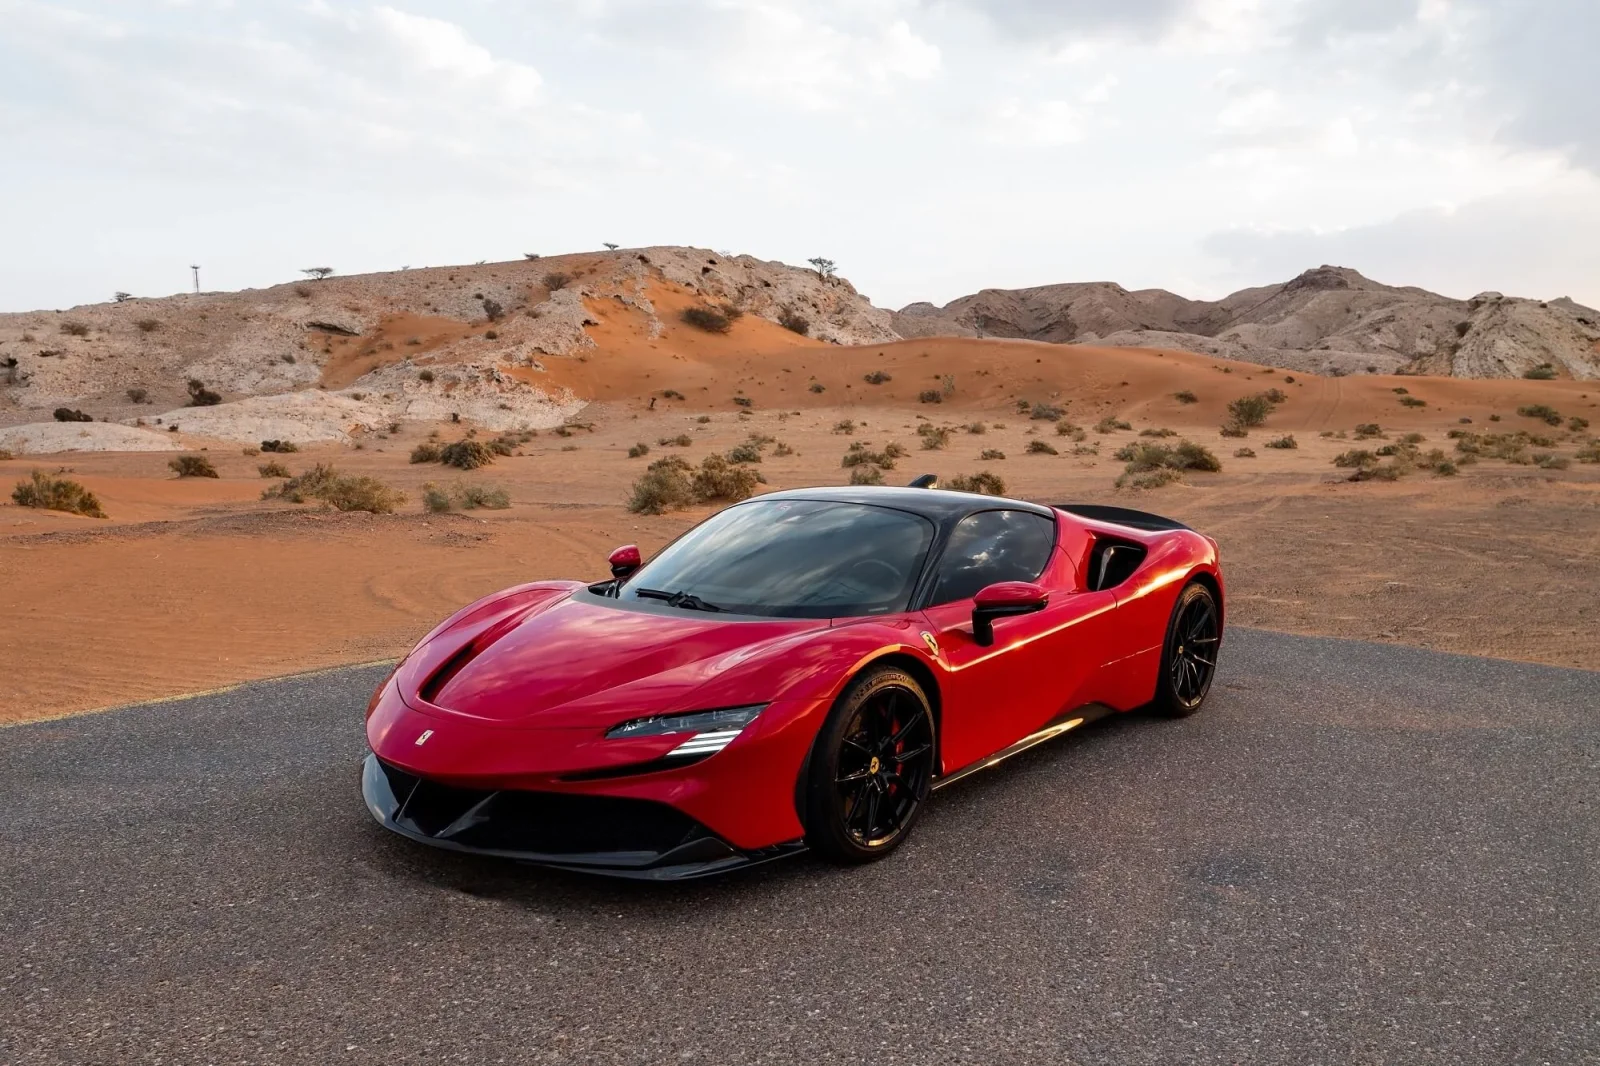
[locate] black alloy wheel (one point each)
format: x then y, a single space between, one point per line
1189 659
871 768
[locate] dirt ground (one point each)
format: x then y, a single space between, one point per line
195 583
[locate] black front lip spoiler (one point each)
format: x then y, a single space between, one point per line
705 856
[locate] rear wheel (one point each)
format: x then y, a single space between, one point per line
871 768
1189 657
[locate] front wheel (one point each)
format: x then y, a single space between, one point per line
871 768
1189 656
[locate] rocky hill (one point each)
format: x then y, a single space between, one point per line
1327 320
332 359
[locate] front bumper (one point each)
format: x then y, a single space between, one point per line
611 835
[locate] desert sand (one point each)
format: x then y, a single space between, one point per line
195 582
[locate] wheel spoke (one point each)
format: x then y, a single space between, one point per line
906 729
862 748
872 814
910 753
859 775
1201 659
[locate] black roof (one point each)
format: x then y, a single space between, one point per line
940 505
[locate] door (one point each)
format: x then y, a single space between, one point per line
1037 665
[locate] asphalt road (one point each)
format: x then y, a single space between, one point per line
1355 854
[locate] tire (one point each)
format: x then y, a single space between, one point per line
871 767
1189 654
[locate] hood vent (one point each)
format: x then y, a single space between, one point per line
448 670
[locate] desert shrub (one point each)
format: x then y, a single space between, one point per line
707 318
682 440
138 395
1248 412
1110 424
744 453
557 280
794 322
504 444
192 466
1368 430
361 493
718 479
1544 372
273 469
983 483
56 494
1589 453
1186 397
1023 407
484 497
703 419
1149 479
639 450
1143 456
5 455
147 325
1446 468
866 475
200 396
1413 401
860 455
895 450
877 377
990 454
1355 458
846 426
1070 431
978 428
1039 447
1286 441
1047 412
466 454
1393 470
817 386
74 328
68 414
1158 433
1401 391
435 500
1577 425
933 437
671 394
283 447
492 310
1245 453
930 396
782 450
425 376
426 452
1550 461
1412 438
744 401
1544 412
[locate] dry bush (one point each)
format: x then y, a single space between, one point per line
977 428
1355 458
147 325
707 318
665 486
1285 442
302 487
426 452
1039 447
1149 479
138 395
192 466
281 446
273 469
682 440
1186 397
425 376
703 419
718 479
794 322
56 494
817 386
859 455
930 396
1550 461
1544 412
200 396
1577 425
983 483
1413 401
1143 456
1368 430
69 414
482 497
435 500
866 475
5 455
1047 412
1110 424
1072 432
639 450
671 394
846 427
933 437
1589 453
557 280
1542 372
74 328
744 401
466 454
877 377
342 492
1245 453
782 450
989 454
744 453
1159 433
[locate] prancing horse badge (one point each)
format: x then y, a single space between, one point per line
423 739
933 645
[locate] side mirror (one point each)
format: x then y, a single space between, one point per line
625 560
1004 600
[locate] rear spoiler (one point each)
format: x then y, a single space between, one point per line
1121 516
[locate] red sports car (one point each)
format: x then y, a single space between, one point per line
800 670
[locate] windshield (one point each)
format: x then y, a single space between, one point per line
792 559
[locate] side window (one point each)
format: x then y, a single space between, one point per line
993 546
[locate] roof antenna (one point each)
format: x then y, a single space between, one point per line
926 481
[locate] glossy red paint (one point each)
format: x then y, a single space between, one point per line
518 690
625 560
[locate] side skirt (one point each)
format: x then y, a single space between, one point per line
1064 723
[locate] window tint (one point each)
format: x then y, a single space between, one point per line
993 546
795 559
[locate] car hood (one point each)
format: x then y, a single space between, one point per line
585 661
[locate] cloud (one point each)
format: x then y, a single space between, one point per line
1533 246
1031 19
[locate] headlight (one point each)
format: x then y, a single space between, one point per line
713 730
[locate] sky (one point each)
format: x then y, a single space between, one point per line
930 147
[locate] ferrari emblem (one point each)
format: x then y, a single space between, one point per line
872 767
933 645
423 739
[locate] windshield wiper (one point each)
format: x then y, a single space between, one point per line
686 600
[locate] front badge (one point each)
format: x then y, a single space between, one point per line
933 645
423 739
